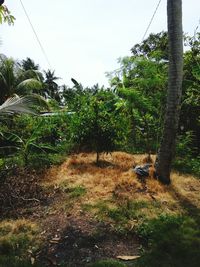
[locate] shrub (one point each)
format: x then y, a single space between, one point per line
188 165
99 125
34 141
172 241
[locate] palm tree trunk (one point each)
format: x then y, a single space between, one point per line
175 34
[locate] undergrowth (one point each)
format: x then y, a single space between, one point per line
172 241
188 165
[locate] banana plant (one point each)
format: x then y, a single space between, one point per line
26 146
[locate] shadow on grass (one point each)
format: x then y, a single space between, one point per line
191 209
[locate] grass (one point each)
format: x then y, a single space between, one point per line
126 216
16 237
172 241
77 191
112 194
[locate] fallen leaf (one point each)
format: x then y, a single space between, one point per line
127 258
32 260
55 240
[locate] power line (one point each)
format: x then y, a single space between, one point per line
37 38
151 20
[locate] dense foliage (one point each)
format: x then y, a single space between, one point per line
127 116
41 122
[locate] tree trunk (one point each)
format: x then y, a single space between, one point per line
175 34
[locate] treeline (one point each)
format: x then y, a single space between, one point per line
127 116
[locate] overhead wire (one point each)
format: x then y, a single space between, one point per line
151 20
36 35
147 29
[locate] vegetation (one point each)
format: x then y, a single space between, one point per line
173 241
68 193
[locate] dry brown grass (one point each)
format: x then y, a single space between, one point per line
187 187
17 226
115 179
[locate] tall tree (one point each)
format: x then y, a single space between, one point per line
29 64
175 34
51 87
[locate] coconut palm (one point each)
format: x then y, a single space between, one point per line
14 80
175 33
51 87
29 64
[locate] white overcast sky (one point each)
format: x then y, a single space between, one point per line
84 38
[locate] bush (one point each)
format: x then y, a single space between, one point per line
188 165
172 241
34 141
187 159
99 125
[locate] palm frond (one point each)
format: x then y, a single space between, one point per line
17 104
28 86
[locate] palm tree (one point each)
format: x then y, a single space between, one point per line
29 64
14 80
51 87
175 33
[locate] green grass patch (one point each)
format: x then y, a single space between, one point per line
77 191
122 212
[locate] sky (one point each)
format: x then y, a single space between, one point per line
84 38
